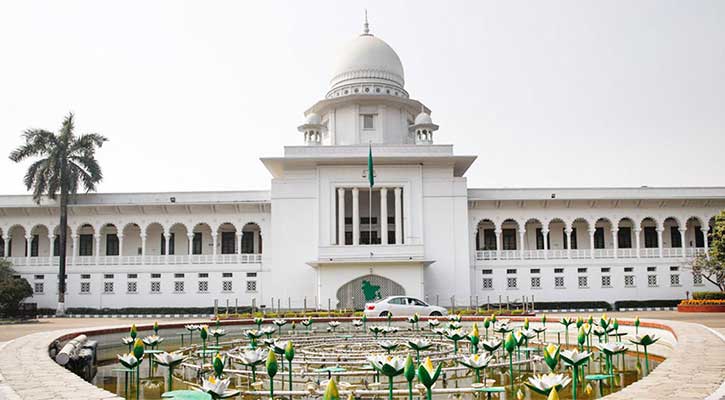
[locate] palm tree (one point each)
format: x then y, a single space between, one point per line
62 162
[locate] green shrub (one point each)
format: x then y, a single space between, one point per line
708 295
618 305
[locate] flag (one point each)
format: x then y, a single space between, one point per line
371 175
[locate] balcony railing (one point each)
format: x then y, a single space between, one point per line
141 260
558 254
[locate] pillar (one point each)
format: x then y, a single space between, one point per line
637 240
190 236
522 236
591 242
383 216
28 244
120 244
704 230
498 232
545 234
355 216
97 243
341 216
239 235
74 249
615 241
682 241
7 246
659 239
398 216
213 245
567 241
51 239
167 238
143 248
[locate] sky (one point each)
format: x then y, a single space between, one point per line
546 94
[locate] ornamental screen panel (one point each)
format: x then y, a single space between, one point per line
366 289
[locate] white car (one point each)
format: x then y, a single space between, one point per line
402 306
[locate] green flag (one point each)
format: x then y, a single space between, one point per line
371 175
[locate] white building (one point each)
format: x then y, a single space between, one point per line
307 240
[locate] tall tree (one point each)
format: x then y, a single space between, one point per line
62 162
712 266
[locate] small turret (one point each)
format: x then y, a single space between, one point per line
312 129
423 127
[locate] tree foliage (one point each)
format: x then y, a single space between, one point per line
712 268
13 290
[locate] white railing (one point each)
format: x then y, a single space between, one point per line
140 260
559 254
627 253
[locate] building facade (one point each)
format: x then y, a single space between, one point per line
322 237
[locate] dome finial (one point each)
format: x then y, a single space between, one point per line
366 26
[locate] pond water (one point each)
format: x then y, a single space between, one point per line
347 351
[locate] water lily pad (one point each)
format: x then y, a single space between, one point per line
598 377
186 395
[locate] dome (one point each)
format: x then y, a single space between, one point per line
423 118
313 119
368 60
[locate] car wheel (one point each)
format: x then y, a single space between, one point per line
436 314
384 313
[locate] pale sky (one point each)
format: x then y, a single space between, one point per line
546 93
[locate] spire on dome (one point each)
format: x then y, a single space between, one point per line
366 26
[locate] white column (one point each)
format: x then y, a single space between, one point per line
383 216
682 241
545 235
704 230
51 239
659 240
341 216
398 216
522 236
591 242
567 241
636 239
120 244
28 244
355 216
615 240
74 248
143 248
190 236
239 241
213 246
167 237
7 246
499 239
97 240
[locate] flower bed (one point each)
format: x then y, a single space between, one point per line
701 306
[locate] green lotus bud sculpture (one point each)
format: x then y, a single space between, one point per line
289 355
331 392
474 337
566 322
428 374
134 332
272 369
218 365
364 320
156 328
204 334
389 317
138 352
551 356
486 325
409 374
510 345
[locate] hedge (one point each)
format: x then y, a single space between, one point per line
572 305
708 295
